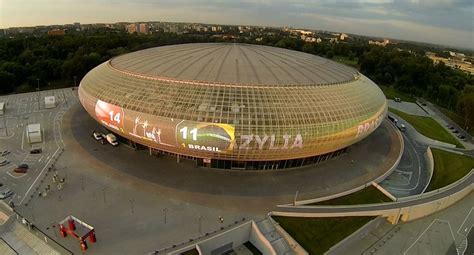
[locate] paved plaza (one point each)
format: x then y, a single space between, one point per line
140 203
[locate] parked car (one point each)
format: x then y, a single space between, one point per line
402 127
4 161
4 152
25 166
20 170
461 136
451 127
392 119
455 131
36 151
112 139
5 193
97 136
103 141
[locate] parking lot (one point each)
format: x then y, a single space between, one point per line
22 110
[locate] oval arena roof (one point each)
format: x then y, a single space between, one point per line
228 63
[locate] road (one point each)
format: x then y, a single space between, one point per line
411 176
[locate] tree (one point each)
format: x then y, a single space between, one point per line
6 82
466 108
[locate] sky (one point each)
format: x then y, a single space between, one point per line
446 22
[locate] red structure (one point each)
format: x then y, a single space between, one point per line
78 229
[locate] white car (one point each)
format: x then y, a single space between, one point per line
98 136
5 193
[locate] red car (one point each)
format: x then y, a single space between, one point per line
20 170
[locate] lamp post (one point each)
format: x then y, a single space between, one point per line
38 88
200 223
75 81
164 211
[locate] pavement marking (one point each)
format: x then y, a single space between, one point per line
23 140
416 240
47 163
16 177
423 233
466 231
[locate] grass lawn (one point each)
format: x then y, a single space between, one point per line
369 195
428 127
346 61
391 93
317 235
448 168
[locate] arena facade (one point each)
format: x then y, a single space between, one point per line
234 106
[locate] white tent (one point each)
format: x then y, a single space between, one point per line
33 132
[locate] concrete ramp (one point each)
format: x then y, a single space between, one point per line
22 241
278 243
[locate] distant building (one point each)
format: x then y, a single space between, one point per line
77 25
143 28
343 37
56 32
384 43
132 28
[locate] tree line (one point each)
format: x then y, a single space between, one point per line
31 59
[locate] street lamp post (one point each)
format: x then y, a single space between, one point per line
38 88
103 192
75 81
164 211
200 223
131 204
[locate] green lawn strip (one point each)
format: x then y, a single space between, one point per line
428 127
391 93
448 168
369 195
317 235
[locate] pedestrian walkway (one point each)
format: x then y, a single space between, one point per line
23 241
16 238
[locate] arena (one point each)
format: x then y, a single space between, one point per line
233 106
